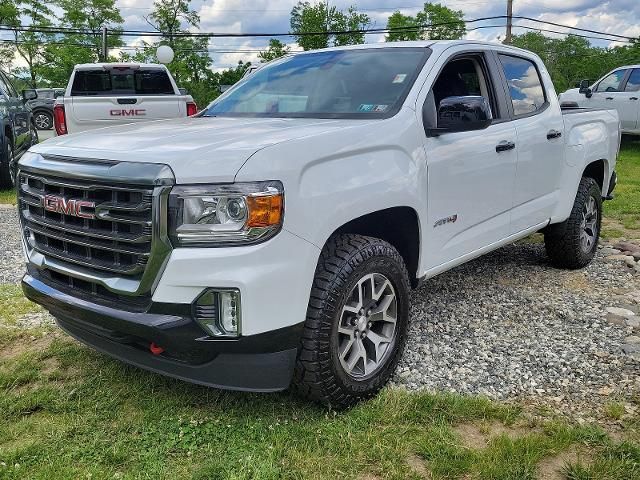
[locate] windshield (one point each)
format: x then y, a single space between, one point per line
367 83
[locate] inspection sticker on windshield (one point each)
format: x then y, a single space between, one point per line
399 78
366 107
380 108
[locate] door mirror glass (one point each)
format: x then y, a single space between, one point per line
28 95
462 114
584 87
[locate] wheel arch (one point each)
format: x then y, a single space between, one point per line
597 170
398 226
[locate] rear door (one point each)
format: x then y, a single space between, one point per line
105 96
540 129
631 101
18 112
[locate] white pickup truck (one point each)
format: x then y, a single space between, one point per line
273 239
106 94
617 90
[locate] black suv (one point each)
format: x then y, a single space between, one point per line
42 107
17 128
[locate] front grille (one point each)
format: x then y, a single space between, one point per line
116 238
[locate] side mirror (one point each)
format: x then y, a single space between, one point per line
584 88
462 114
28 95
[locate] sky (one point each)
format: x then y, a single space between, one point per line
621 17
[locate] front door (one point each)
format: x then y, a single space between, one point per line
470 174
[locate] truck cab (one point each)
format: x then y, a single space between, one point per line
618 90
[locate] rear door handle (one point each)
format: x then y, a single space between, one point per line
633 98
609 98
551 134
504 146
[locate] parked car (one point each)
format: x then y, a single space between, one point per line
17 128
105 94
618 89
42 107
275 237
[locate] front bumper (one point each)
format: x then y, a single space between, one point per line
262 362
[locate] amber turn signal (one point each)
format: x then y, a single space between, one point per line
264 210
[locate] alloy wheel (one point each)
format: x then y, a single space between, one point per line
589 225
367 329
42 121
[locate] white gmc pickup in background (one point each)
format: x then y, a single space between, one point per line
273 238
105 94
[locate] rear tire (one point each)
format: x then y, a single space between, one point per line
7 165
356 324
573 243
43 120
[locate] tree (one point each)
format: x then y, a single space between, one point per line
434 22
276 49
307 18
71 49
29 45
191 66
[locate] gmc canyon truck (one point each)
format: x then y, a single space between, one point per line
106 94
273 239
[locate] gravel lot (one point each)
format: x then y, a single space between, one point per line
507 326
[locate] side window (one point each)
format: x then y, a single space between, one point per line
633 84
525 85
611 83
463 77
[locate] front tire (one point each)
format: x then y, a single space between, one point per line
7 165
356 324
573 243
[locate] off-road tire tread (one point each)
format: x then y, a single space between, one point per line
313 376
562 241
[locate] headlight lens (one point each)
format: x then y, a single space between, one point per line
218 215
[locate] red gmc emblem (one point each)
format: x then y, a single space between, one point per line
71 207
133 112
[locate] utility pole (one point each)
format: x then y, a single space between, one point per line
507 38
104 44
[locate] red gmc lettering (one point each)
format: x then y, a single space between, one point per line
137 112
71 207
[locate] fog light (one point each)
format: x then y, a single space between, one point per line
218 312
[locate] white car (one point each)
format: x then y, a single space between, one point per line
618 89
106 94
273 239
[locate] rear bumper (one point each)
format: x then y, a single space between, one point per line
262 362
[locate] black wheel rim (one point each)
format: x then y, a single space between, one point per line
12 164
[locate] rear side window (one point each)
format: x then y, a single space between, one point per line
525 85
121 82
633 84
611 83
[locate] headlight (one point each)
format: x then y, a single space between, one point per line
218 215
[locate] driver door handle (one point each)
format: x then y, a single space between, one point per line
551 134
609 98
504 146
633 98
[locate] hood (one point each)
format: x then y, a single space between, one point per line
198 150
572 92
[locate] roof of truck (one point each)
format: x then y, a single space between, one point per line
442 44
92 66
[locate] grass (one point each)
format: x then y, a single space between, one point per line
8 197
69 412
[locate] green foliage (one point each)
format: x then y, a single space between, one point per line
311 18
276 49
448 24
